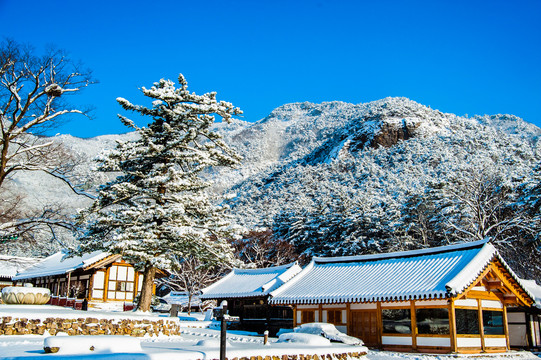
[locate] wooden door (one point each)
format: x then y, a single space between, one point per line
364 325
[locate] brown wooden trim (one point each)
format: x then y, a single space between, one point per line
431 306
485 295
481 328
348 318
434 349
103 262
106 284
379 320
447 336
452 325
294 315
495 349
469 336
506 328
413 320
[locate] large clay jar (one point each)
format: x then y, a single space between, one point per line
25 295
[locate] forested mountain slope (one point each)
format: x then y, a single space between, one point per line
338 178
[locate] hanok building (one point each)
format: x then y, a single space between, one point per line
98 277
445 299
247 291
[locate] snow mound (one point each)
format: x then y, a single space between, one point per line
87 344
328 331
306 339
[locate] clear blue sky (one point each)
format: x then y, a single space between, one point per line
464 57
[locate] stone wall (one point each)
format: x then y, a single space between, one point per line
87 326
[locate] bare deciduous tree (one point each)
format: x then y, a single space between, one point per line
191 275
33 91
259 249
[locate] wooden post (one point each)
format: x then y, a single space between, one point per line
348 318
505 326
452 325
379 325
294 316
68 285
481 328
320 311
106 285
413 325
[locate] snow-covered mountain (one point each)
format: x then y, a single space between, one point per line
335 178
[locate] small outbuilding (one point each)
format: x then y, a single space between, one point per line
247 291
445 299
97 277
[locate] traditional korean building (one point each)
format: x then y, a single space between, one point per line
98 277
444 299
247 292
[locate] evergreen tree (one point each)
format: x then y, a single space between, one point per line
158 209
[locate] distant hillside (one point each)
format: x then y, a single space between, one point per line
338 178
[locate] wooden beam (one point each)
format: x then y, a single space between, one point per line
379 325
494 284
481 328
413 325
452 325
506 328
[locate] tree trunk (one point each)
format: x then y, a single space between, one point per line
145 299
189 303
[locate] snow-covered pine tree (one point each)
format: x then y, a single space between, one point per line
158 207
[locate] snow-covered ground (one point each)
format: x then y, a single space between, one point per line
194 343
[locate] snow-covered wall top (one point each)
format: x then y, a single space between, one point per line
251 282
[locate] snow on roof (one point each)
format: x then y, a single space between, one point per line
58 263
429 273
535 289
10 265
241 283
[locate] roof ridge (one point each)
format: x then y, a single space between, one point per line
265 270
402 254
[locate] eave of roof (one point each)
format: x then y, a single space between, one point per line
250 283
59 263
422 274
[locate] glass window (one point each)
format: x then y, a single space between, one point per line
493 322
396 321
432 321
467 321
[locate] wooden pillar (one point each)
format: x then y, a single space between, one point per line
452 325
413 325
68 285
348 318
505 326
294 316
106 284
481 328
320 311
379 325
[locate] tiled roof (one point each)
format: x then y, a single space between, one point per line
421 274
58 263
242 283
